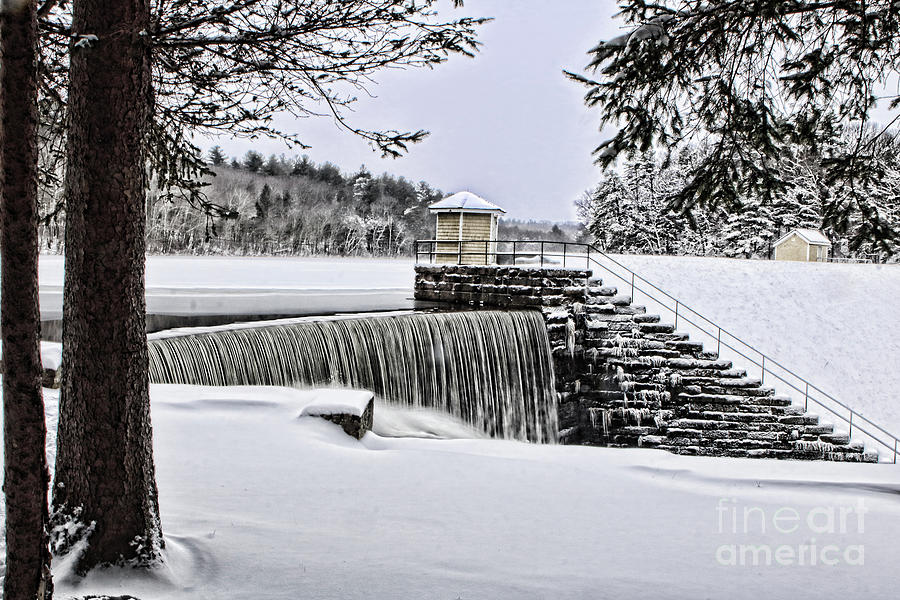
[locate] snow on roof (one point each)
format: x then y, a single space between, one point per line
810 236
465 201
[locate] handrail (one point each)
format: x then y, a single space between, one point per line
492 251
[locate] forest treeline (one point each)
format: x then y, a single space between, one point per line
629 211
280 205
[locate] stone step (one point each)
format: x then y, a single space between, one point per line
714 373
686 346
751 393
601 290
656 328
836 438
723 412
604 308
806 419
724 382
666 337
631 309
688 363
692 386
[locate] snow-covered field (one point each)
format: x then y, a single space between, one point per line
836 325
258 503
209 285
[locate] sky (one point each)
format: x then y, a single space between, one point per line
506 125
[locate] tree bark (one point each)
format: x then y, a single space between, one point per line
104 468
24 428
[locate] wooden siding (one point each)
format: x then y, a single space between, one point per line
796 248
474 226
447 229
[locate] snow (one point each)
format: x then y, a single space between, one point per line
258 504
51 355
465 201
213 285
337 402
810 236
834 324
180 331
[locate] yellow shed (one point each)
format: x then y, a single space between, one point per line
465 223
806 245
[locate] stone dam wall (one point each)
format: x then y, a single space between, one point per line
626 379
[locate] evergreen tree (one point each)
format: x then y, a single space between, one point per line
283 57
753 78
264 202
303 167
253 161
216 156
24 427
272 166
105 488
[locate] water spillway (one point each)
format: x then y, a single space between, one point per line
492 369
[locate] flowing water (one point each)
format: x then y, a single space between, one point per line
492 369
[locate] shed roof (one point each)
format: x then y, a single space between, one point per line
465 201
810 236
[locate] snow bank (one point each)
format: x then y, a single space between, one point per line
256 503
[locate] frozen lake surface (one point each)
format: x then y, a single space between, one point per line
209 285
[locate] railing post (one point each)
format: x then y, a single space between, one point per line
806 398
676 312
632 286
433 252
719 342
564 255
762 377
895 451
587 262
850 433
459 252
514 253
542 255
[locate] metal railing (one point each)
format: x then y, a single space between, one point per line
545 253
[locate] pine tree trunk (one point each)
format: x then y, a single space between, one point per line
104 465
24 428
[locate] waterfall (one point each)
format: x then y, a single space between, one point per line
492 369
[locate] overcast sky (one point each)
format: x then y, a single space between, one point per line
506 125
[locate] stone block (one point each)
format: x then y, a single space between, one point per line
352 410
